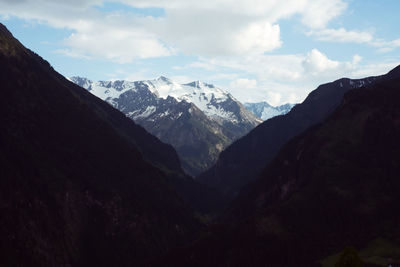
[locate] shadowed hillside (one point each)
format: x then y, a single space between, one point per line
233 170
336 185
81 184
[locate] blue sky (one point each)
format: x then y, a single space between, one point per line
258 50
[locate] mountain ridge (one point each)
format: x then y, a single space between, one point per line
332 187
263 142
79 184
215 120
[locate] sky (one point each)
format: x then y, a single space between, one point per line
258 50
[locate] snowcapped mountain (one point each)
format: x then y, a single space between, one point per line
265 111
215 102
198 119
212 100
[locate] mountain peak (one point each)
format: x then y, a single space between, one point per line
164 79
160 106
198 83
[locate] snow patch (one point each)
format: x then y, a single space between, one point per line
136 114
111 90
165 113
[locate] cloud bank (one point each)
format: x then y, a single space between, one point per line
235 40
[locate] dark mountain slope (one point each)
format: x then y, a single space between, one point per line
232 171
76 186
199 196
335 185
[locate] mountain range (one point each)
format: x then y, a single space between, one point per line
328 198
199 120
81 184
265 111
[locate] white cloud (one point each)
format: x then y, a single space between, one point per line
342 35
140 75
318 13
345 36
315 13
201 65
374 69
221 76
356 59
265 67
119 45
74 4
316 63
257 38
205 28
216 33
182 79
243 83
71 53
274 98
233 27
280 79
112 36
230 38
386 46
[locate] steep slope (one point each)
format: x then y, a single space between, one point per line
232 170
199 120
136 95
265 111
77 187
197 139
335 185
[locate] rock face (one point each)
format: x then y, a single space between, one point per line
232 170
199 120
80 184
333 186
265 111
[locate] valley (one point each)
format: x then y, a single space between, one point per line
282 158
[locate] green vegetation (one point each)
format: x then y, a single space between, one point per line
378 252
349 258
381 252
